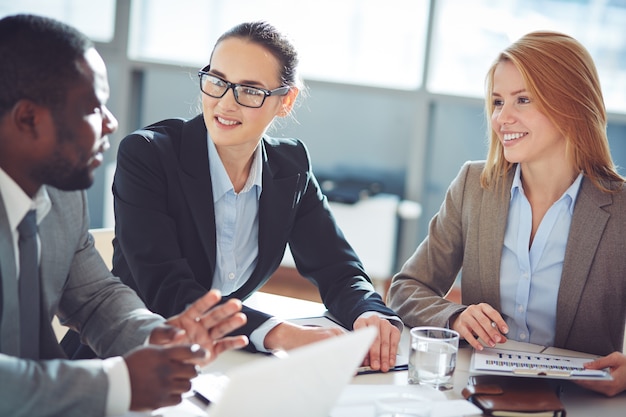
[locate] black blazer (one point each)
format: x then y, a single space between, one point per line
165 245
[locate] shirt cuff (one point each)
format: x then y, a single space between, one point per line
393 319
118 396
257 337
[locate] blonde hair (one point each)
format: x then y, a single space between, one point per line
561 76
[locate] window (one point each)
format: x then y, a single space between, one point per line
348 41
460 57
95 19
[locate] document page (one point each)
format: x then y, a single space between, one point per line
534 361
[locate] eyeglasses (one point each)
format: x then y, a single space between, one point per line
244 94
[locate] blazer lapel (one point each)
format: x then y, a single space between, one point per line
278 199
588 223
493 218
9 318
196 183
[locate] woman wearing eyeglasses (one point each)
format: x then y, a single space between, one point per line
213 201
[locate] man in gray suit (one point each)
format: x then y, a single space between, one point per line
53 130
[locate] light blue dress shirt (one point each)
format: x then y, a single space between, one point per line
530 279
237 231
237 221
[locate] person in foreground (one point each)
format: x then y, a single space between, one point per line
538 228
53 130
212 202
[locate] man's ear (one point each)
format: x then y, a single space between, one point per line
288 101
25 116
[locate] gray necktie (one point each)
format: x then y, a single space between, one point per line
29 287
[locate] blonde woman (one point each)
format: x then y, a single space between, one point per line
537 229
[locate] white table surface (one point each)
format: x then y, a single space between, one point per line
578 402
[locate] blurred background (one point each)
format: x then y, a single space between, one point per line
395 88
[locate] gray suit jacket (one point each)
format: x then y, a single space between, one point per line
76 285
468 233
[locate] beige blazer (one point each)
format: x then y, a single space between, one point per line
467 235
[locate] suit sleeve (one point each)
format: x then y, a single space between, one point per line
110 315
158 250
148 255
417 291
323 255
52 387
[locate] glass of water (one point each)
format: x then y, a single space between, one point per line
432 356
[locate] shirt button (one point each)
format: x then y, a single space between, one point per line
231 275
520 308
522 336
525 275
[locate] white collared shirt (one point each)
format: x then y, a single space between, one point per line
20 204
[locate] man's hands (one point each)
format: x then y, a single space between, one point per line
161 373
206 325
480 321
616 362
382 353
